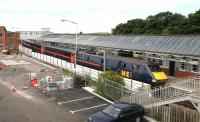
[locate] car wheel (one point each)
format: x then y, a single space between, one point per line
138 119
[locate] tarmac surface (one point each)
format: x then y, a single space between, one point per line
32 105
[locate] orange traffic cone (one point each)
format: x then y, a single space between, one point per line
13 89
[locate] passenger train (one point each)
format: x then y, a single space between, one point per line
138 70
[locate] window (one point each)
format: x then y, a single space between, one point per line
0 35
183 66
137 68
127 112
9 35
112 111
194 59
124 65
133 67
156 61
143 69
195 68
102 61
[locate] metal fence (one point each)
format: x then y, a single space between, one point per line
173 113
112 90
189 88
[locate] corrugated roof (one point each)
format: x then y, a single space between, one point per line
181 45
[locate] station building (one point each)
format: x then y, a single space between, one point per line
9 41
34 34
179 56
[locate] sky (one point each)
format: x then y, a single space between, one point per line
91 15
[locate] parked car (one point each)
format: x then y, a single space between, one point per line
119 112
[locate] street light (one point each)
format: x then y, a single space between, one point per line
64 20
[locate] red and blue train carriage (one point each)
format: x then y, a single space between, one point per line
139 70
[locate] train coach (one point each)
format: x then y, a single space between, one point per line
135 69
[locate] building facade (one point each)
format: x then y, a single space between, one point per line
9 41
34 34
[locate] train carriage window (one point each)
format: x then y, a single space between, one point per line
124 65
102 61
137 68
143 69
67 53
133 67
79 56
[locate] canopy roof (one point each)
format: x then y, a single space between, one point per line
178 45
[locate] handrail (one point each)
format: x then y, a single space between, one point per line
182 88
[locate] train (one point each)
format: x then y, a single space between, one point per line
135 69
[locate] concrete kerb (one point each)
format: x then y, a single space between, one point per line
91 90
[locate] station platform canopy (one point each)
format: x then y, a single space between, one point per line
175 45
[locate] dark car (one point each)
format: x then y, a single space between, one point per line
119 112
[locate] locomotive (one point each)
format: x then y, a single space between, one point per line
139 70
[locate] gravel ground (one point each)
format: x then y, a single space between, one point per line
17 107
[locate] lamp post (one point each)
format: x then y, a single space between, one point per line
64 20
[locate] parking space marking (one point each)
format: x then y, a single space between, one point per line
87 108
60 103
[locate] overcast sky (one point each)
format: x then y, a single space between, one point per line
91 15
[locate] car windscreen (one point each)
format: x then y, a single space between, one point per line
112 111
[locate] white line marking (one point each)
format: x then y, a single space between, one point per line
60 103
87 108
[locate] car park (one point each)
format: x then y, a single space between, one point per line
119 112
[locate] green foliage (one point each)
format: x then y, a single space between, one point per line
161 23
158 117
90 81
111 86
113 76
68 73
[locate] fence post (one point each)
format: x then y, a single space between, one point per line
101 85
131 84
122 95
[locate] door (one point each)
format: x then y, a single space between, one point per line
72 57
171 68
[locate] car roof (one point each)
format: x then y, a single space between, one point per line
122 105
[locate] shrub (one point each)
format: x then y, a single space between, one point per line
113 76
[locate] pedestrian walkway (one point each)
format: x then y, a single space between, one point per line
182 90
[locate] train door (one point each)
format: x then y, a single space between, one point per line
171 68
72 57
42 49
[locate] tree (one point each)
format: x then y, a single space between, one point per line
136 26
194 20
120 29
162 23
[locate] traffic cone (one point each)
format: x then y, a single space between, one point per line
13 89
